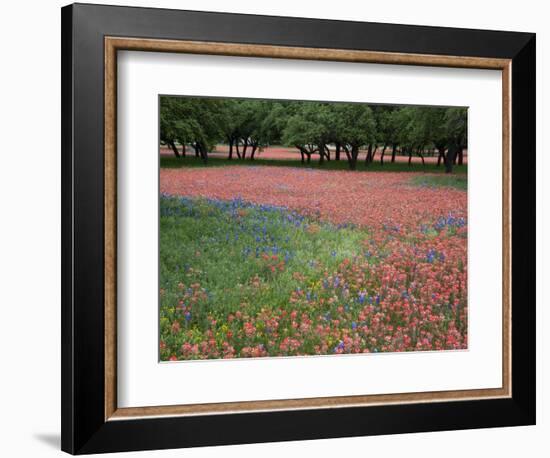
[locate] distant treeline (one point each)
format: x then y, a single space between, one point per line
314 128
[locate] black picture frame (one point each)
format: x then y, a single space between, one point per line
84 429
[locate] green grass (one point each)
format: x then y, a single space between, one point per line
223 253
442 181
223 244
192 161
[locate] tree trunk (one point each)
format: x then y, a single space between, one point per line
174 149
196 148
230 157
393 151
337 153
450 158
348 155
354 156
460 156
321 154
245 146
237 149
369 154
203 153
327 150
441 156
456 157
302 154
382 154
254 148
420 153
410 156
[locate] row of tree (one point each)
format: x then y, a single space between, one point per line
314 128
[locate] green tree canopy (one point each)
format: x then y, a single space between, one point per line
312 127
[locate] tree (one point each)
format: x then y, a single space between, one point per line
354 127
378 112
196 121
440 139
276 119
177 122
456 128
209 116
301 131
230 124
417 128
248 125
265 128
387 129
247 122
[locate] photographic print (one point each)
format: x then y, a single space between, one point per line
312 214
295 228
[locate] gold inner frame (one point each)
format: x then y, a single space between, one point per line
114 44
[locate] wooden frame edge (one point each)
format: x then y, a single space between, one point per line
134 413
291 52
110 201
507 227
111 46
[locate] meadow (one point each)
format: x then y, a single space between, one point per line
271 260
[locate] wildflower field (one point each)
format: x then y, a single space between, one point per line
281 261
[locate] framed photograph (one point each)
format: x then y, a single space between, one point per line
281 228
